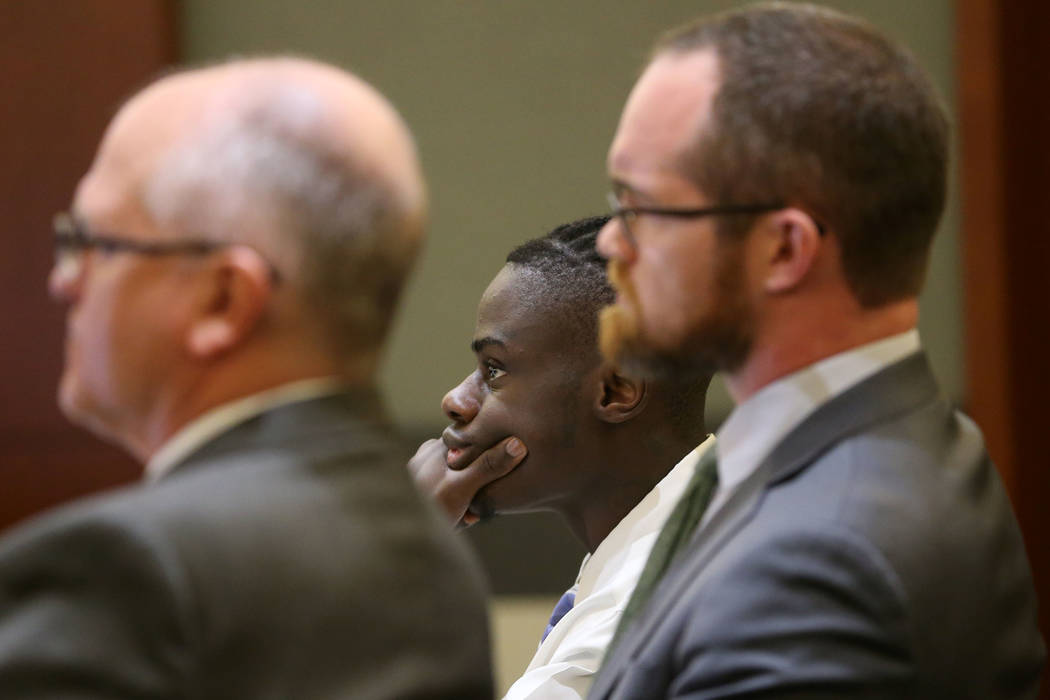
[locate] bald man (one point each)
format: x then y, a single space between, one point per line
230 267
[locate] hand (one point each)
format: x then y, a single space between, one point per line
454 489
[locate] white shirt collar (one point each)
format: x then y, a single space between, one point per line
755 427
647 517
218 420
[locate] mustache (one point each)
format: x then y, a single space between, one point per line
616 271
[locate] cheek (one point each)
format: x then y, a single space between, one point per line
93 324
511 413
91 383
549 409
128 336
538 423
492 423
672 288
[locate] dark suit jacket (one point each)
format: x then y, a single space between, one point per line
872 554
289 558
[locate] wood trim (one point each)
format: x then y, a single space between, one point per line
1003 49
67 67
989 389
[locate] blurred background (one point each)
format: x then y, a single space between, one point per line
514 104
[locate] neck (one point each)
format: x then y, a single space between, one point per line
231 379
806 336
627 470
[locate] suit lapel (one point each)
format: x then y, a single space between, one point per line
707 542
896 389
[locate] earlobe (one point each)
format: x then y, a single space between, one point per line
238 290
794 245
621 397
210 336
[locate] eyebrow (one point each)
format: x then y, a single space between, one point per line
479 344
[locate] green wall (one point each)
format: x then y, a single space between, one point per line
514 103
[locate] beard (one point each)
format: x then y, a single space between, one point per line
721 340
618 332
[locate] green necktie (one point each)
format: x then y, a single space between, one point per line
674 536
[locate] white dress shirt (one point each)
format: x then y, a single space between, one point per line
566 661
218 420
755 427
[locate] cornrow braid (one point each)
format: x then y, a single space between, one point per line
570 265
570 277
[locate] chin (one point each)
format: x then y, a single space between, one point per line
69 397
504 496
82 411
492 500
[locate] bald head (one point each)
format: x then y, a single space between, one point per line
304 162
241 227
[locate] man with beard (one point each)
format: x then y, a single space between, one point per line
230 268
778 175
602 444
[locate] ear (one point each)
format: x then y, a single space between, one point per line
237 290
793 241
621 397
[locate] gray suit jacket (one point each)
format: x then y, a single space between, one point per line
873 554
290 558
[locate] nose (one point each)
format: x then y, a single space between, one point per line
612 242
65 279
461 404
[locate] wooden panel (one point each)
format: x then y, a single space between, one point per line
66 67
1003 52
989 389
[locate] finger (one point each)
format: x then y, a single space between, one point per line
427 447
495 462
423 461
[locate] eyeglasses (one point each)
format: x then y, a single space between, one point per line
72 242
629 215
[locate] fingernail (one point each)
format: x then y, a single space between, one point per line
515 448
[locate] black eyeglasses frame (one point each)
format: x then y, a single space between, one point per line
71 238
627 215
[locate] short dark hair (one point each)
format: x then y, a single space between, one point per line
822 111
573 280
572 272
